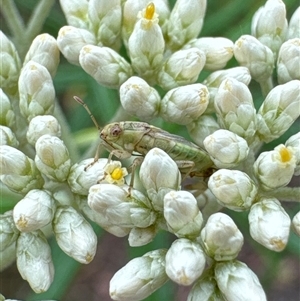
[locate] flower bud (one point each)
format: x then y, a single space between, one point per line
296 223
185 104
269 224
159 174
36 91
182 214
18 172
105 65
288 62
237 282
235 109
139 99
269 24
44 51
181 68
8 231
226 149
218 51
294 142
34 260
76 12
105 18
52 158
146 44
279 110
70 41
8 256
80 180
10 65
221 237
275 168
140 277
74 235
233 189
201 128
185 22
7 115
293 28
7 137
205 289
34 211
258 58
41 125
141 236
185 261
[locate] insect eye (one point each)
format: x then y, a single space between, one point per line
115 130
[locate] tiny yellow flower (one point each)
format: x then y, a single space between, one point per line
114 173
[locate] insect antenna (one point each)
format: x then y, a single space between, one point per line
80 101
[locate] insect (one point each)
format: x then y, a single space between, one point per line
126 138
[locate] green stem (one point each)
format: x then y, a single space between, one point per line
266 86
66 134
289 194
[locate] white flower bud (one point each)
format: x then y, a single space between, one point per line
8 230
288 62
105 65
105 18
70 41
185 261
226 149
34 211
296 223
235 109
139 99
10 64
159 174
269 24
221 237
181 68
258 58
41 125
205 289
185 104
185 22
218 51
294 28
140 277
237 282
18 172
233 189
146 44
7 115
44 51
182 214
279 110
76 12
269 224
141 236
239 73
36 91
201 128
80 180
34 260
74 235
52 158
275 168
294 142
7 137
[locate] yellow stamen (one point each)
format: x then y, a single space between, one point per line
285 154
150 10
117 174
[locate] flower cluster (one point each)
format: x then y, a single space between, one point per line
57 192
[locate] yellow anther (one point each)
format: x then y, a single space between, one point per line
117 174
150 10
286 154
